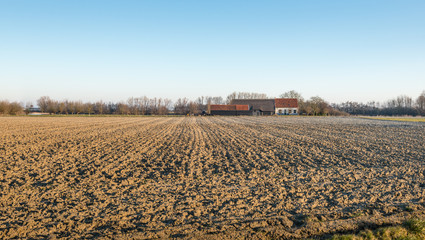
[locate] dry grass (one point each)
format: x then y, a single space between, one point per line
208 178
413 229
398 119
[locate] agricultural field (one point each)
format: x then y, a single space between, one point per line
207 177
399 119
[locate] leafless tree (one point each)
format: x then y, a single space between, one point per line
307 110
154 105
245 95
79 107
216 100
144 105
15 108
123 109
88 108
292 94
315 106
403 101
62 107
166 106
11 108
181 106
52 107
420 103
99 107
4 107
134 106
43 103
193 108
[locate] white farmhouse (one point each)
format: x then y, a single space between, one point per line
286 106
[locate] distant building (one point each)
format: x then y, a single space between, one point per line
34 109
286 106
257 107
229 110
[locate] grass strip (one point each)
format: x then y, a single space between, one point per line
413 229
398 119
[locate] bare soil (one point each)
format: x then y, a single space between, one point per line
207 177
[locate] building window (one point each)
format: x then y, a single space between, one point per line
295 111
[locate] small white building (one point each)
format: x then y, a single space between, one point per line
286 106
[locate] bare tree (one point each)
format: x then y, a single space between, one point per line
15 108
78 107
164 107
89 108
123 109
403 101
62 108
99 107
420 103
315 106
193 108
144 105
153 105
217 100
292 94
111 108
307 109
245 95
11 108
4 107
134 106
181 106
43 103
52 106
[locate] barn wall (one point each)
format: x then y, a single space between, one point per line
231 113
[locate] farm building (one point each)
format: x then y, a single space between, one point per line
232 110
286 106
257 107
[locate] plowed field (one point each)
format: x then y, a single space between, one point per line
206 177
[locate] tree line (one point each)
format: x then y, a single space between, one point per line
401 105
10 108
133 106
316 106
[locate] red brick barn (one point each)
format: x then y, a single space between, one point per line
229 110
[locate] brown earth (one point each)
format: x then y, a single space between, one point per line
206 177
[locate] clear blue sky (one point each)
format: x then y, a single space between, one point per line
99 49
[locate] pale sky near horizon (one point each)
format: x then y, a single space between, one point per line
101 49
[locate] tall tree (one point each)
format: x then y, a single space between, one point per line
4 107
292 94
15 108
181 106
245 95
99 107
420 103
43 103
